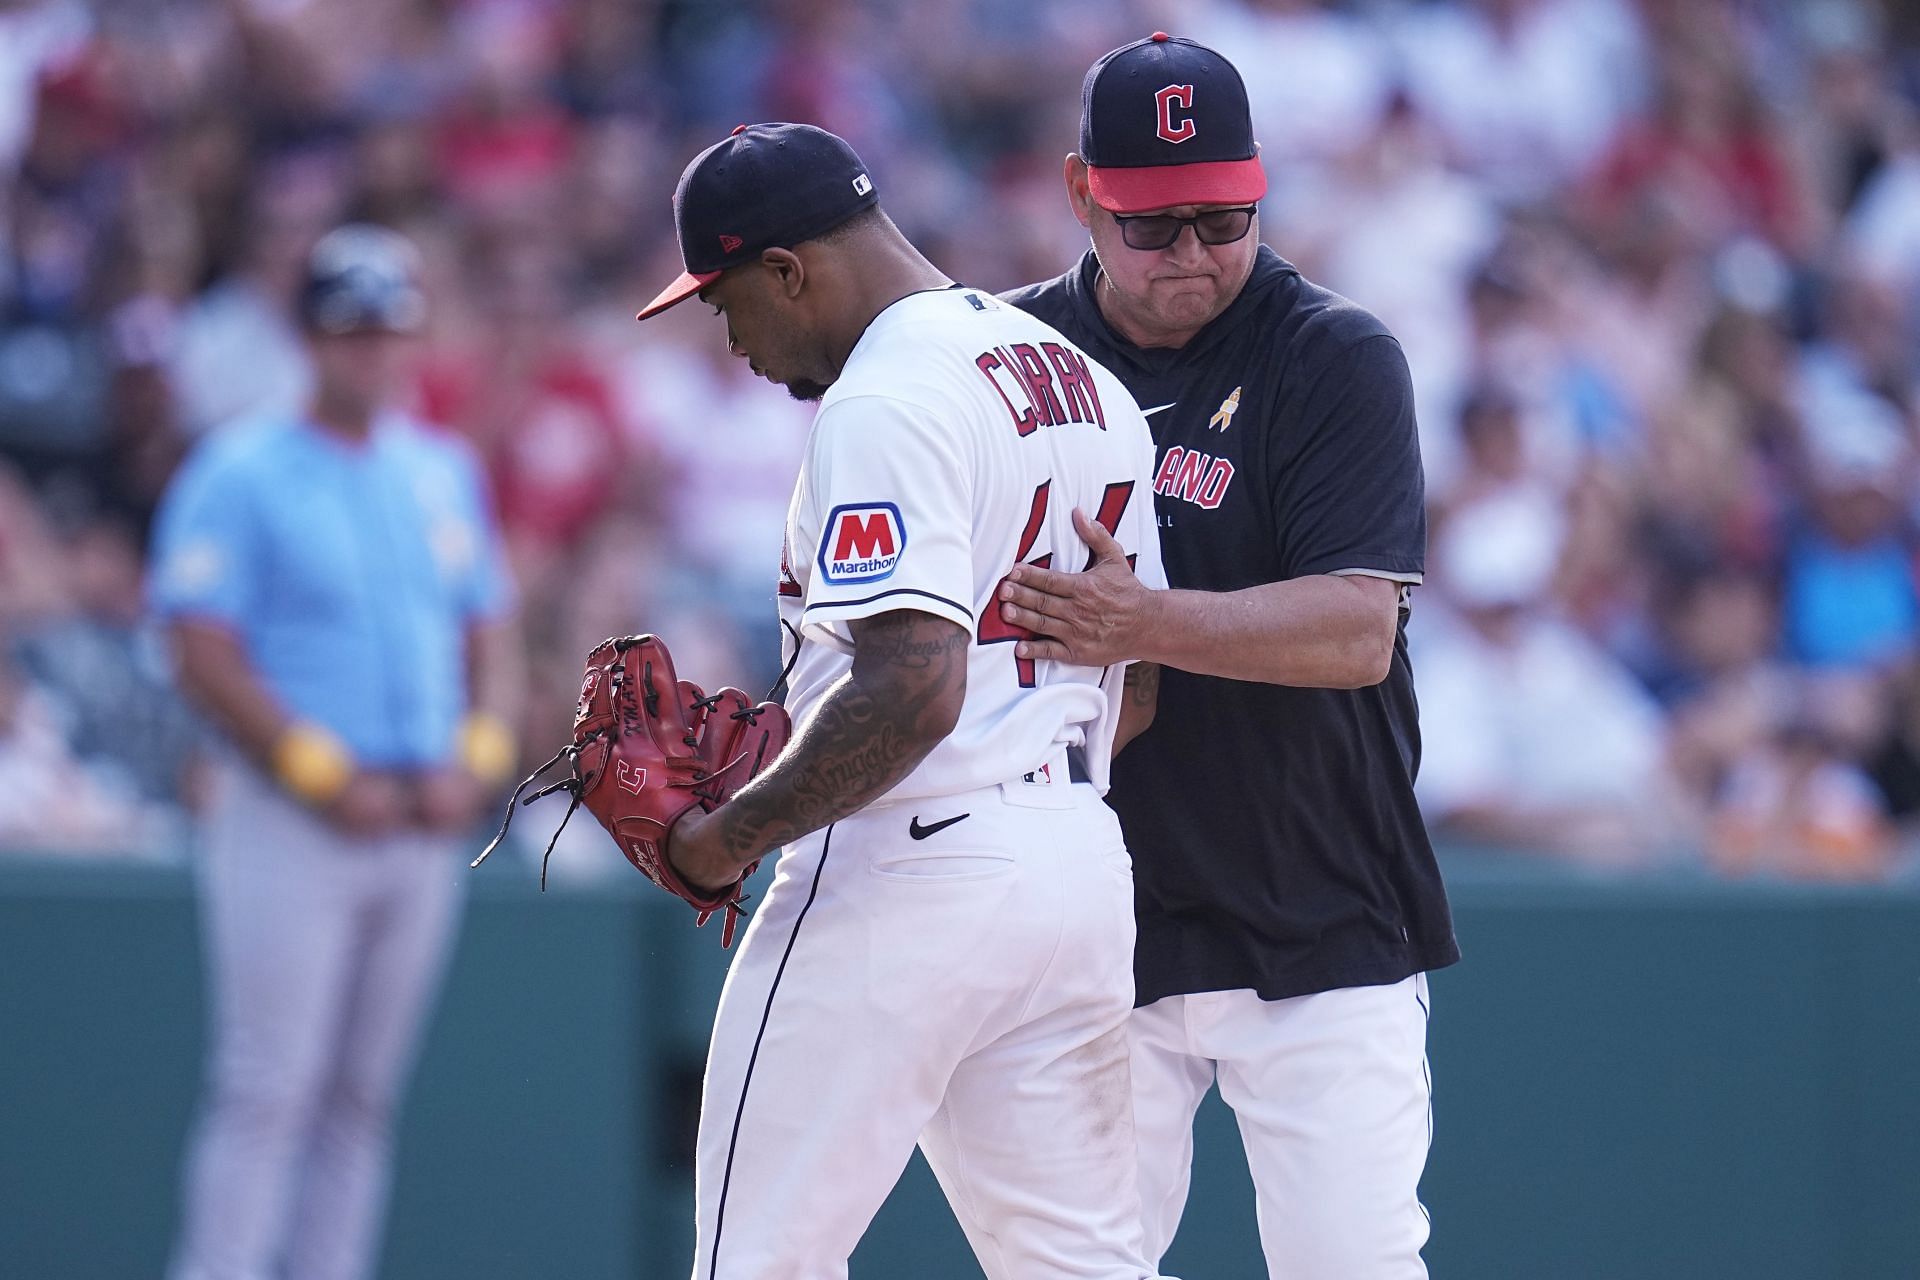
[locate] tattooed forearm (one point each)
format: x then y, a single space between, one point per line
881 720
915 644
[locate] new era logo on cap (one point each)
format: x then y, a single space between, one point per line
729 243
1164 122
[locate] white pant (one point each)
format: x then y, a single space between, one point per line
968 990
323 955
1335 1109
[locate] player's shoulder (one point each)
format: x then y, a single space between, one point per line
238 451
957 318
965 315
1035 327
952 347
871 393
1008 324
920 351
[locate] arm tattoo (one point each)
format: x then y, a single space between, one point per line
876 725
1143 683
1141 702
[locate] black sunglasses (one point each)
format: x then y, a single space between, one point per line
1160 230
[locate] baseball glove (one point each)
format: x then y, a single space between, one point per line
647 747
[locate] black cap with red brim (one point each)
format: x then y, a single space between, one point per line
1164 122
684 287
764 186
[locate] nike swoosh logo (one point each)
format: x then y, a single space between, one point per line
919 832
1148 413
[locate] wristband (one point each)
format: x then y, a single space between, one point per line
486 746
312 762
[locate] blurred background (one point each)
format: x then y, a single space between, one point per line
1656 268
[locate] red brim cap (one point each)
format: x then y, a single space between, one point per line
689 283
1165 186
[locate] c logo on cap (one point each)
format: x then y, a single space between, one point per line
1163 101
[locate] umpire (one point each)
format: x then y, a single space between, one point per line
336 601
1288 900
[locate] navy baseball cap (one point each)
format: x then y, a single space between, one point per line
1164 121
362 276
764 186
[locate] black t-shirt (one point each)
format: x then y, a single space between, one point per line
1275 838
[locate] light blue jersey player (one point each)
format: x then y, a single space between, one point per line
334 591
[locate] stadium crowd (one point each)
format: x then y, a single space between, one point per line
1655 265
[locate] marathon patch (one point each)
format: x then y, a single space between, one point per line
862 543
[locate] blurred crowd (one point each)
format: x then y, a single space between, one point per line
1655 264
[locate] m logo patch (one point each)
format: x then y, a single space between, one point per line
862 543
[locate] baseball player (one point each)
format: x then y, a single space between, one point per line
944 953
335 596
1289 911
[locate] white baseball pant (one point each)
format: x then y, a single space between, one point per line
323 956
1334 1103
969 991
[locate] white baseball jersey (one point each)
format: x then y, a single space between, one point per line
959 439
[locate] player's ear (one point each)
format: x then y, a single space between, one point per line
1078 196
789 273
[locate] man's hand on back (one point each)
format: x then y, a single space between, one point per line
1093 619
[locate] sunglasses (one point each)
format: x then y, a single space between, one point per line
1160 230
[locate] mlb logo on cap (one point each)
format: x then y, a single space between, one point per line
1163 122
862 543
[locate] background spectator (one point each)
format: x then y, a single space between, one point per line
1532 735
52 801
110 672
